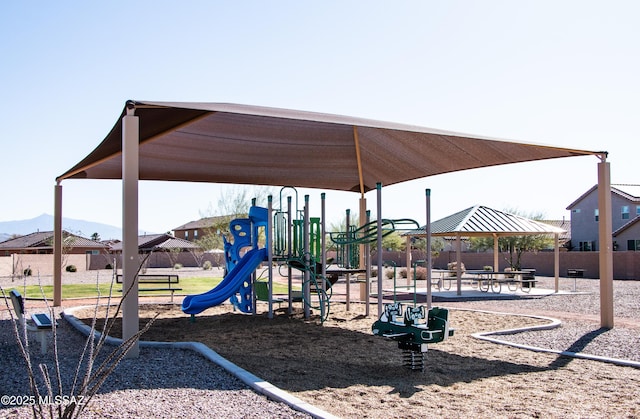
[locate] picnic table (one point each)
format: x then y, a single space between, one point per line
492 280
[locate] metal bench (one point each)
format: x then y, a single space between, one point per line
167 280
40 324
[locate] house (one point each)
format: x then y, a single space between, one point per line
163 251
564 239
625 217
194 230
159 242
41 242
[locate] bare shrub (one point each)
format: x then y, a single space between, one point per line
90 373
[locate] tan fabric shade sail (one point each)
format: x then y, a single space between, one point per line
240 144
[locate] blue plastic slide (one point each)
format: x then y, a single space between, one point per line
230 285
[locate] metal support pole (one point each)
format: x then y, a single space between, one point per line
496 253
130 259
289 253
379 241
306 288
459 264
347 264
269 237
323 239
429 261
57 247
323 256
606 244
556 261
367 255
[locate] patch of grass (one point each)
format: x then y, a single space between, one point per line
197 285
188 285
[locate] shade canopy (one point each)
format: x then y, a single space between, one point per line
484 221
240 144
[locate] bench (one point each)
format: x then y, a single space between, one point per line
523 280
525 284
40 322
167 280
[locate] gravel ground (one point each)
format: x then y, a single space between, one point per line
146 387
195 387
192 386
580 316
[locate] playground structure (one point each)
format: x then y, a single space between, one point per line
294 241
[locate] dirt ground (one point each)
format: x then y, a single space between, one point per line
341 367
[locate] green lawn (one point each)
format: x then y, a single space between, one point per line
188 285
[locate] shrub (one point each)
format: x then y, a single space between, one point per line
421 273
108 266
403 272
452 266
71 268
177 266
90 371
389 274
206 265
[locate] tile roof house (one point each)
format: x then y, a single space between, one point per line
159 242
41 242
625 214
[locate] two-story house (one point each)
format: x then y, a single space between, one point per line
194 230
625 215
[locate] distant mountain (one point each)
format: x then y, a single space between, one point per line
44 222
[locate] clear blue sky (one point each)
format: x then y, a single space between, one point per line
563 73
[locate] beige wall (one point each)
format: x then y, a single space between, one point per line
42 264
626 265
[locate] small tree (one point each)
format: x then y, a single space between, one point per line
233 203
420 243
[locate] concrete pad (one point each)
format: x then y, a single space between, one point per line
474 294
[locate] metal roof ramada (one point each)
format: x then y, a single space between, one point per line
482 221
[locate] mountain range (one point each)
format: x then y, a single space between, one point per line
44 222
